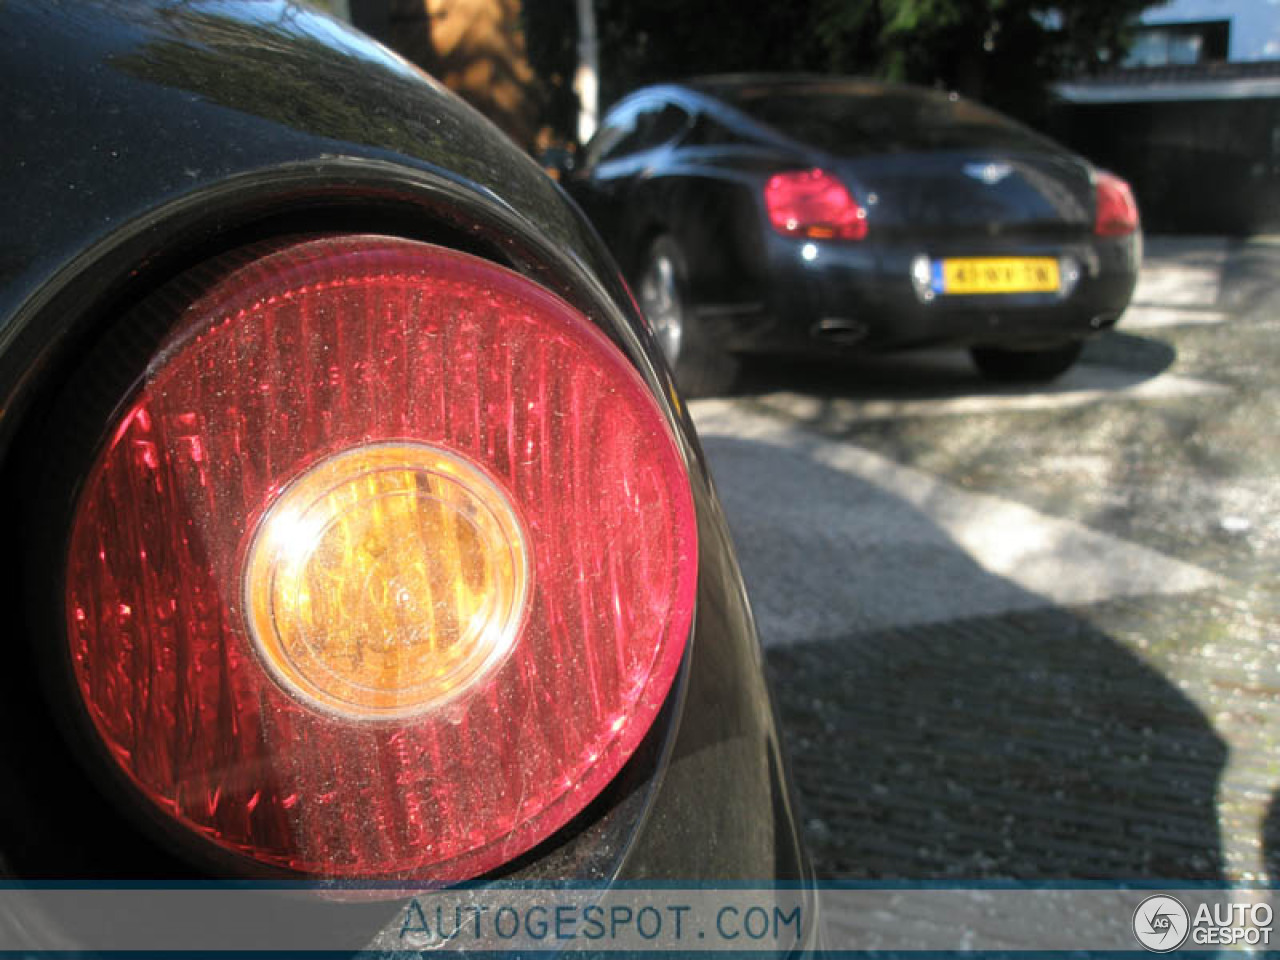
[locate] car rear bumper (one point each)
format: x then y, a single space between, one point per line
824 297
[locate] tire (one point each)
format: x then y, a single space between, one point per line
1026 366
700 366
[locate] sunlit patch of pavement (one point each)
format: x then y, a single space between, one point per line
1181 284
836 539
1159 317
1182 271
1083 385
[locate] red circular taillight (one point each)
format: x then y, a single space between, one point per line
385 569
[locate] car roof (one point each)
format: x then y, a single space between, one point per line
734 98
731 85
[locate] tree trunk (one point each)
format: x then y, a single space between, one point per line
475 47
970 73
586 81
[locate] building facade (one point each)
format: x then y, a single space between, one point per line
1192 116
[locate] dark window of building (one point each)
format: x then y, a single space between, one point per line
1175 44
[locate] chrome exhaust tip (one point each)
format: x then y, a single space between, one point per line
840 330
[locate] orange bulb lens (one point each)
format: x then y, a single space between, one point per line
386 580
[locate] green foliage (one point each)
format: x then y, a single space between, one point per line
1006 52
657 40
551 40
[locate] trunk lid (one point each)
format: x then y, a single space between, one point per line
925 162
973 192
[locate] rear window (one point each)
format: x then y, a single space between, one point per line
857 120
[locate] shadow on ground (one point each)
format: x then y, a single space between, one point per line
1271 839
1017 742
940 374
1029 746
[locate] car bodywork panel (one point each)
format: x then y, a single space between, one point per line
146 138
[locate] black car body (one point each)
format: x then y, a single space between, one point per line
145 142
690 185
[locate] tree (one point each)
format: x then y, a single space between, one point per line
475 47
551 36
659 40
1006 52
586 80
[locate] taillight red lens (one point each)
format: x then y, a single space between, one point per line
1117 209
813 204
386 568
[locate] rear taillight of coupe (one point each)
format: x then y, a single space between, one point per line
814 205
1117 211
384 569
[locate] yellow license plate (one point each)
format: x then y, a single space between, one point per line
996 275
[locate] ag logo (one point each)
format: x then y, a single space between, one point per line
1161 923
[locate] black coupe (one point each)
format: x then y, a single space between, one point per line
353 528
812 215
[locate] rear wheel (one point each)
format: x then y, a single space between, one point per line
1026 366
701 367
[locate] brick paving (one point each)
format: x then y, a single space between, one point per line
1137 737
1037 745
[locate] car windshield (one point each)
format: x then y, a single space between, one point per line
860 120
